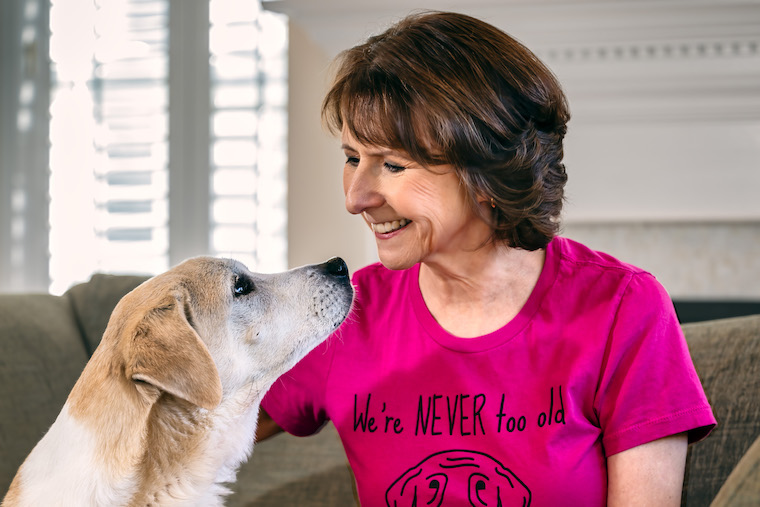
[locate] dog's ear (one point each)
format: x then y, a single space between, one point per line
167 353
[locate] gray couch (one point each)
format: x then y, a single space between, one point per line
45 341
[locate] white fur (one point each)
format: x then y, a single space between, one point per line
52 461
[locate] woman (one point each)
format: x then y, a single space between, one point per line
487 362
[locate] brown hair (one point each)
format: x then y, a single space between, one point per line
447 88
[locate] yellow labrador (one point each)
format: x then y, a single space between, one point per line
165 410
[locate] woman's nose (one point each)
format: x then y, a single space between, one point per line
361 188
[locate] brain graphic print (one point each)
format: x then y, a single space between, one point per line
448 477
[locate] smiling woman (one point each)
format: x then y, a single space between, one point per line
484 348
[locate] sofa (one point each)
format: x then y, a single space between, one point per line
45 341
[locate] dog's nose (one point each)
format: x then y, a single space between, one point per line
336 267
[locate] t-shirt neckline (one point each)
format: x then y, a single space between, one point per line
501 335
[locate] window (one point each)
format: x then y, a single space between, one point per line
249 134
167 134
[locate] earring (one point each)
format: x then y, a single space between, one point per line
493 203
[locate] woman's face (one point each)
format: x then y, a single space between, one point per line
417 213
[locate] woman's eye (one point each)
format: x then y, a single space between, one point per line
394 168
243 286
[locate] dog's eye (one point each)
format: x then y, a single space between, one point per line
243 285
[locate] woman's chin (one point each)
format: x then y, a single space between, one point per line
395 261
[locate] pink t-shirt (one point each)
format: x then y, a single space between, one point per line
594 364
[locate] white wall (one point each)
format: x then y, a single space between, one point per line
318 225
662 152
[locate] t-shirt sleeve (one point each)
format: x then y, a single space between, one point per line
296 401
649 388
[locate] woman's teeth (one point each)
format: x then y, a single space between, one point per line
387 227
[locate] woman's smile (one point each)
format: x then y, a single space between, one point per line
385 228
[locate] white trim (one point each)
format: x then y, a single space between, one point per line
24 174
619 61
189 103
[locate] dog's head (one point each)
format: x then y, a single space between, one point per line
209 326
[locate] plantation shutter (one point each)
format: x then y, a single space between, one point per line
144 171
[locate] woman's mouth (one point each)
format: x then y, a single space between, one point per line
386 227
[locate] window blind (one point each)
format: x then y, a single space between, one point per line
110 114
249 133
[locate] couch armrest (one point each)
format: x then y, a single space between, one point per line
726 354
742 488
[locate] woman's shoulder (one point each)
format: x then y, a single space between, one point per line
578 254
581 260
600 271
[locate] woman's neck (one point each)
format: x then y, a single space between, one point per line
480 291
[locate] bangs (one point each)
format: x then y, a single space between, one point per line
379 110
375 118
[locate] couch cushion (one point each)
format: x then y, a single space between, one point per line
288 470
726 354
41 357
742 488
94 301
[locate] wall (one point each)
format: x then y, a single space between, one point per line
697 261
662 150
318 225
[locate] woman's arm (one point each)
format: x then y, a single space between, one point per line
648 475
266 427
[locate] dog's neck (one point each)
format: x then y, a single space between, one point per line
189 454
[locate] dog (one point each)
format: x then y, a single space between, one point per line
166 409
